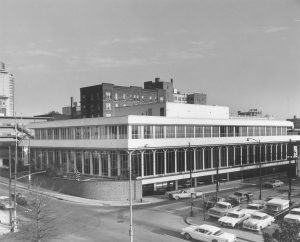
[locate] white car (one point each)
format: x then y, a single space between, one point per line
258 221
293 216
207 233
234 218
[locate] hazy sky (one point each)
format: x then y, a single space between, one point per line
242 53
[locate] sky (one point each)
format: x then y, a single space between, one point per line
242 53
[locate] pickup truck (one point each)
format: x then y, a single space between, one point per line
190 193
277 207
220 209
293 216
212 201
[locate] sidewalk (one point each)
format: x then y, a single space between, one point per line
208 189
81 200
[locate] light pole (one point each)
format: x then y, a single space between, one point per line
259 145
191 179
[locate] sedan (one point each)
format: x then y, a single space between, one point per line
207 233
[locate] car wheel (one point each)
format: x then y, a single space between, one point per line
176 197
187 236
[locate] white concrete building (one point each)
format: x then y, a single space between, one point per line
6 92
164 151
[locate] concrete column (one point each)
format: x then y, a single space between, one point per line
118 132
118 163
195 182
212 179
108 165
129 131
165 162
212 157
60 158
175 160
68 161
247 156
241 155
35 161
82 160
227 156
276 150
176 185
194 149
100 164
75 161
142 164
47 159
254 153
219 161
233 155
91 164
227 176
154 164
203 156
185 166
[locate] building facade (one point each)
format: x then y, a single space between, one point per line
102 100
6 92
163 151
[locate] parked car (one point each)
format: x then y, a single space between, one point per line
4 202
207 233
255 207
293 216
220 209
190 193
258 221
20 199
273 183
244 195
277 206
234 218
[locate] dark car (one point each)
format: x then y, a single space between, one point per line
244 195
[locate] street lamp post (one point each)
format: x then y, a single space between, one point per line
191 179
259 145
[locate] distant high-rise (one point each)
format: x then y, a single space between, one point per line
6 92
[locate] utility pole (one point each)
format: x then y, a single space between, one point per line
290 150
217 183
9 187
15 183
191 179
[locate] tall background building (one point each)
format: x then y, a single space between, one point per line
6 92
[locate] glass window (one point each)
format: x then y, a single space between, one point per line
78 133
237 131
148 132
159 131
207 131
71 133
251 131
180 131
268 131
190 131
108 95
116 96
216 131
279 130
223 131
273 131
49 133
86 132
107 106
94 132
262 130
123 132
170 131
56 133
136 131
256 131
243 131
198 131
230 131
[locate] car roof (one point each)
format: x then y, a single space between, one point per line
3 197
259 214
277 200
296 209
224 203
211 228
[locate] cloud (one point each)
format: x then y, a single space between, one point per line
275 29
125 41
97 62
30 67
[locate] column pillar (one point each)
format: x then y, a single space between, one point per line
241 155
203 156
228 176
254 153
142 164
60 158
175 160
91 164
165 162
82 161
176 185
194 149
75 161
118 163
68 161
247 156
108 165
212 157
185 166
234 160
227 156
100 163
47 159
154 163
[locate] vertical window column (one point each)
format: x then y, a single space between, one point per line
185 161
68 160
194 150
100 163
91 164
118 163
165 162
154 163
175 160
142 163
227 157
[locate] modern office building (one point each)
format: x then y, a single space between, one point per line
102 100
296 122
6 92
165 151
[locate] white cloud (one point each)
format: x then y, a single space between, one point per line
30 67
275 29
97 62
125 41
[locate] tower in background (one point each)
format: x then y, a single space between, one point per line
6 92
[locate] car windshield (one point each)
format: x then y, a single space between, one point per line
295 212
238 194
253 207
219 205
272 207
232 215
256 217
218 232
